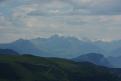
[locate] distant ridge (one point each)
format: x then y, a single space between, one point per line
8 52
63 46
95 58
24 47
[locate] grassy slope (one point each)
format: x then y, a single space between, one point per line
31 68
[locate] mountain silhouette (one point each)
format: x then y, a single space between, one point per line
95 58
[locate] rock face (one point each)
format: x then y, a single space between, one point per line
95 58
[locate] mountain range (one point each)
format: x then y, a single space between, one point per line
65 47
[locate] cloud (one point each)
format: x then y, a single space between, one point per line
78 7
68 7
94 19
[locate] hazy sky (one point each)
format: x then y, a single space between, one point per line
93 19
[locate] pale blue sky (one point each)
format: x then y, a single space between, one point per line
93 19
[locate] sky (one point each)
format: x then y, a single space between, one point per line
92 19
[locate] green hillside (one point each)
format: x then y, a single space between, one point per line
32 68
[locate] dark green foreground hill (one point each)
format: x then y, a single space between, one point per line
32 68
